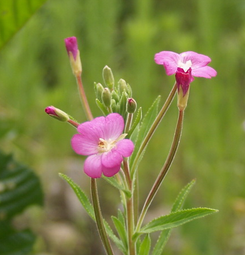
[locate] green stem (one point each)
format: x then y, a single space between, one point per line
99 218
84 98
154 127
164 170
129 210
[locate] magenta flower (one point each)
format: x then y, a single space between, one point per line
71 46
185 65
103 142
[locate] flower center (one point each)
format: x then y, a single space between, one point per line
108 145
185 66
105 145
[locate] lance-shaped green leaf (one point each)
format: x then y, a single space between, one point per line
135 123
176 219
80 195
178 204
114 238
140 141
102 107
145 246
114 183
14 14
120 230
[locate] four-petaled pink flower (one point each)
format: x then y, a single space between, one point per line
185 65
101 139
71 46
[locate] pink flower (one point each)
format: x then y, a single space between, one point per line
103 142
185 65
71 46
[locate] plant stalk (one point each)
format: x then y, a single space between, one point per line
84 98
164 169
99 218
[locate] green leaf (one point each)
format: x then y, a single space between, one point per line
102 107
136 122
114 238
178 204
19 187
14 242
80 195
120 230
145 125
176 219
145 246
14 14
114 183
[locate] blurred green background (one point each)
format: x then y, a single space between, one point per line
125 35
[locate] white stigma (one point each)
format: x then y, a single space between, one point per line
185 66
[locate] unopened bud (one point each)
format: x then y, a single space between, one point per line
122 86
57 113
98 90
108 77
131 105
106 97
74 55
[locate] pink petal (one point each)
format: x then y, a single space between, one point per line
93 167
197 60
114 125
125 147
206 72
111 159
111 171
169 60
71 46
83 146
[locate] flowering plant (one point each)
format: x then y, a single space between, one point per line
115 143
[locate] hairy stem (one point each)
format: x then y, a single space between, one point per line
164 169
99 218
84 98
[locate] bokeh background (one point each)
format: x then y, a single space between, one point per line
125 35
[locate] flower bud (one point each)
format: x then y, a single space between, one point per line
74 55
122 86
57 114
131 105
106 97
98 90
108 77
